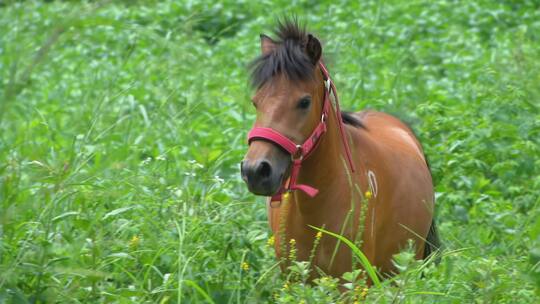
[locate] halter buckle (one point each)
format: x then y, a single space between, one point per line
327 84
298 154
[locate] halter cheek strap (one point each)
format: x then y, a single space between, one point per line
300 152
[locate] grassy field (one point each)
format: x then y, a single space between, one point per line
122 126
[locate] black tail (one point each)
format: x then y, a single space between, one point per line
433 243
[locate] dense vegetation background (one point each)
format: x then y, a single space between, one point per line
122 126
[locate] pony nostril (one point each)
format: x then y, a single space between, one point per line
264 169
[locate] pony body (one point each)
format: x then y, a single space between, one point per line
387 200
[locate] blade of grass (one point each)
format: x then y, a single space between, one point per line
201 291
363 259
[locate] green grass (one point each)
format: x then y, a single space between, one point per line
123 124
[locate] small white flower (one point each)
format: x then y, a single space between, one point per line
166 278
146 161
195 164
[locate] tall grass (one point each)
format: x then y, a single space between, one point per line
123 124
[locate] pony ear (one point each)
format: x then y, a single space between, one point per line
313 49
267 44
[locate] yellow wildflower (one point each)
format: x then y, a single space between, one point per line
364 292
134 242
319 235
270 241
368 194
245 266
292 252
285 197
286 285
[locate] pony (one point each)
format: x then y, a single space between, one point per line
362 175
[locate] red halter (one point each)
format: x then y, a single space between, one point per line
300 152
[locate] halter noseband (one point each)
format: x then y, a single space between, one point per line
300 152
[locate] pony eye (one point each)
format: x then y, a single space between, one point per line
304 103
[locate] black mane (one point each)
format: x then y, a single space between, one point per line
288 57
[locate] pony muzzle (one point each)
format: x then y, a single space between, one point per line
264 167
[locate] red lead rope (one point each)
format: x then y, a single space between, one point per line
300 152
339 118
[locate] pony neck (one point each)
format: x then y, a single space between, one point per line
326 166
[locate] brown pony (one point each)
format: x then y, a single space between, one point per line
386 168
